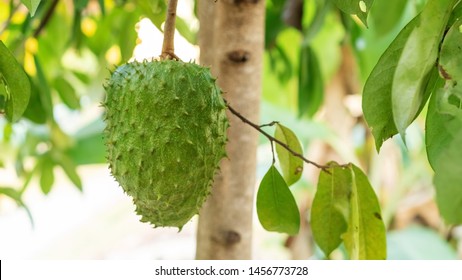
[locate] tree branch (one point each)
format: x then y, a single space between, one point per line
272 139
46 18
168 46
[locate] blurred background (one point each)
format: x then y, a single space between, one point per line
57 197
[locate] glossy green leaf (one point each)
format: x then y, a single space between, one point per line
310 83
330 210
450 60
47 177
359 8
417 59
69 168
377 101
387 14
365 238
16 82
32 5
292 166
67 93
276 206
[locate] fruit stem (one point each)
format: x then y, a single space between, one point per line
272 139
168 46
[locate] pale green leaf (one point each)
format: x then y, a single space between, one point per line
32 5
359 8
417 59
450 60
387 14
67 93
365 238
377 101
330 210
444 137
292 166
47 177
437 136
276 206
17 197
16 82
310 83
69 168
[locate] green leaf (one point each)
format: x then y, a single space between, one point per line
359 8
377 105
310 83
365 238
417 59
89 145
32 5
330 210
387 14
16 196
292 166
450 59
35 110
44 89
419 243
437 136
69 168
47 177
444 139
276 206
67 93
16 81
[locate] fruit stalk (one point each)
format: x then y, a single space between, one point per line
168 46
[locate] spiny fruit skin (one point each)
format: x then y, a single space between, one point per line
165 136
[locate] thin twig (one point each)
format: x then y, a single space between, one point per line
272 139
168 46
46 18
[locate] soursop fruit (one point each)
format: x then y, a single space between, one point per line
165 136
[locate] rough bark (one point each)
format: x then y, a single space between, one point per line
234 49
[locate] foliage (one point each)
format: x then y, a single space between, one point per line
54 56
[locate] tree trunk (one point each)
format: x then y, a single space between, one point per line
234 49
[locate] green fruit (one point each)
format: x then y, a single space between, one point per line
165 136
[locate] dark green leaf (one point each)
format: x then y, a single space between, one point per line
360 8
377 102
276 206
417 59
330 210
32 5
292 166
80 4
47 177
365 238
44 88
102 7
69 168
450 60
66 93
35 110
310 83
385 15
13 77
